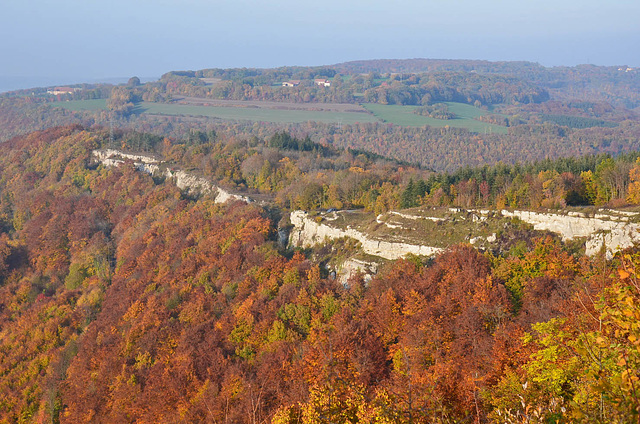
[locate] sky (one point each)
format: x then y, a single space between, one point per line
89 40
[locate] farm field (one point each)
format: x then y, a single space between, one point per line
284 112
265 104
255 113
404 116
261 114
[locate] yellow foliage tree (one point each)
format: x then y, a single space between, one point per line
633 193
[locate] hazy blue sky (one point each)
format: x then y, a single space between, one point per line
89 39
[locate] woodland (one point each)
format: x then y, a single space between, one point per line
547 113
119 290
126 300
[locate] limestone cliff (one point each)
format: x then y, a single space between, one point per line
183 180
307 232
612 231
609 230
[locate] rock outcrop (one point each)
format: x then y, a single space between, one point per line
353 266
105 154
307 232
183 180
611 232
569 226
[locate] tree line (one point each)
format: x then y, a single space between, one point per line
302 174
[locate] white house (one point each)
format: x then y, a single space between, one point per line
62 90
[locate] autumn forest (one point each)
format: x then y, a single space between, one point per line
126 299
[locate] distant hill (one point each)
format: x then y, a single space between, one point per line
495 111
437 65
616 84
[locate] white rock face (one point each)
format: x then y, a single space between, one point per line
415 217
307 232
143 167
107 153
612 232
182 179
112 162
613 241
352 266
569 226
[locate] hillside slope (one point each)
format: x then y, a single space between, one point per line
124 299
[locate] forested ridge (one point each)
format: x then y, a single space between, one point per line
526 112
298 173
124 300
434 148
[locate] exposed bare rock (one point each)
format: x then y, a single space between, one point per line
307 232
353 266
612 231
183 180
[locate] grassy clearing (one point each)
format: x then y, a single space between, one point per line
256 114
399 115
229 113
404 116
268 104
441 227
211 81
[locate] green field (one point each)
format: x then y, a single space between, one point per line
256 114
229 113
404 116
398 115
